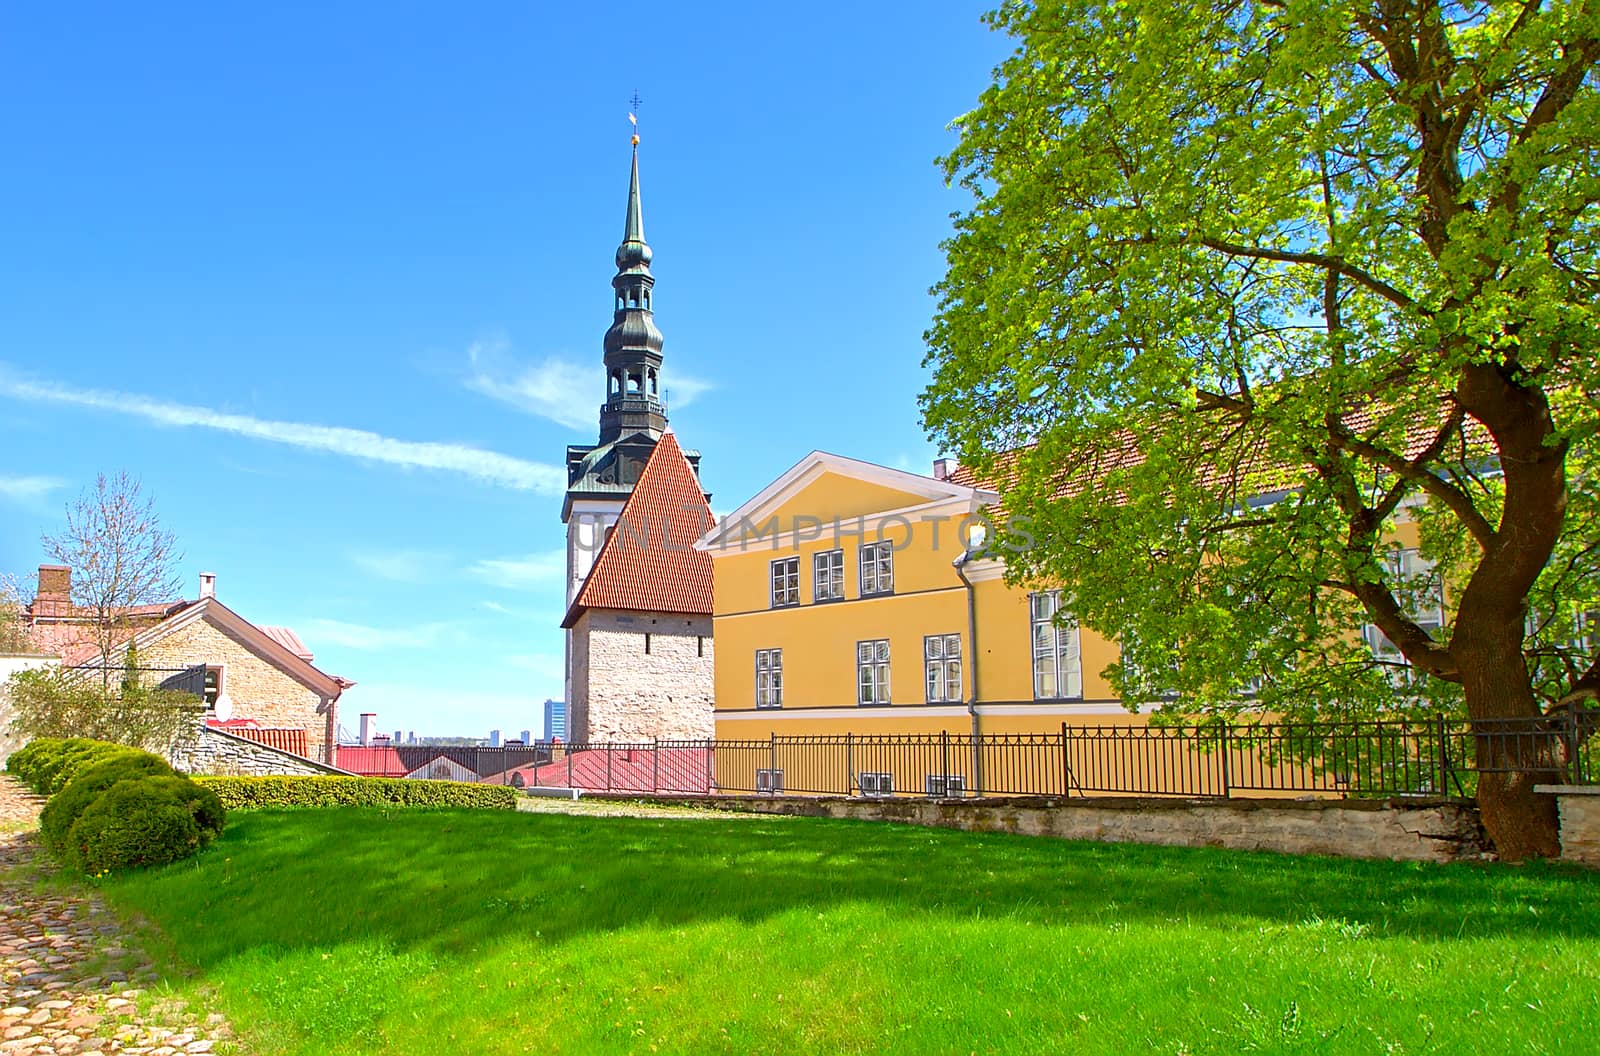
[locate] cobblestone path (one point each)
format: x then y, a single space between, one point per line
69 981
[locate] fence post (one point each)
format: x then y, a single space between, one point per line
1066 765
608 766
655 765
849 762
944 760
569 767
772 758
710 759
1442 754
1574 768
1227 764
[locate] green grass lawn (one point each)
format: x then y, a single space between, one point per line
419 931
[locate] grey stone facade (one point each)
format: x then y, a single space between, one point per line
638 676
217 752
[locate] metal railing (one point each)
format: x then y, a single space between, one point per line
1374 758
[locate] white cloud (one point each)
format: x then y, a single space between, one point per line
401 566
565 391
368 638
29 491
488 466
523 572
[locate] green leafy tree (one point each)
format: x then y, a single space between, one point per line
1249 287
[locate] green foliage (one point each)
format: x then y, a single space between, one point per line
244 792
47 764
1241 290
67 702
371 930
90 782
144 821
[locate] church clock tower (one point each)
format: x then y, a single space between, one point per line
601 476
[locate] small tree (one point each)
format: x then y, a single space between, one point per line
13 636
65 702
119 554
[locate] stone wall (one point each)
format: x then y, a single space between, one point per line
622 692
1433 831
258 689
219 752
1580 822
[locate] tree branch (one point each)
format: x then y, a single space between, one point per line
1320 260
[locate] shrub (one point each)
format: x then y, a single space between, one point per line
66 806
143 821
245 792
47 764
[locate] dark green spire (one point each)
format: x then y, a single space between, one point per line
633 344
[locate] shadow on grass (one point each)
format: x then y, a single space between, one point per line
456 881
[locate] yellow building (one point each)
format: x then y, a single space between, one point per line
849 605
846 602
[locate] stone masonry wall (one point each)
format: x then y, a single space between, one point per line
1438 831
622 693
258 689
1580 825
216 752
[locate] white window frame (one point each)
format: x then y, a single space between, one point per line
875 784
785 582
222 678
876 566
872 673
769 678
941 665
769 781
1056 648
827 576
947 786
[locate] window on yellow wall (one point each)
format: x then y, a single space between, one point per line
1420 591
828 582
942 660
213 687
769 678
1057 665
872 672
785 582
877 568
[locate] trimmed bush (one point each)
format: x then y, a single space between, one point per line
47 764
245 792
144 821
66 806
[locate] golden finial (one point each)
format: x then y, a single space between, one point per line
633 117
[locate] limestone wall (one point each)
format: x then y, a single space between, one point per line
624 690
217 752
1438 831
1580 822
258 689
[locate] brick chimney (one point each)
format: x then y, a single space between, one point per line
55 591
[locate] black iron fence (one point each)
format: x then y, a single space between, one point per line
1378 758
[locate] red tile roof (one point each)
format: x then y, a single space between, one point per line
648 562
282 738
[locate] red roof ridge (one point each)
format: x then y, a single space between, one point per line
648 562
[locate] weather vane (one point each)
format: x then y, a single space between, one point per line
633 116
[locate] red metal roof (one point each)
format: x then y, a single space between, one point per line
648 562
621 768
369 762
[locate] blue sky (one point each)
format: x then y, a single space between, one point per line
333 284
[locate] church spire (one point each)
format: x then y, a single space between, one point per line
633 344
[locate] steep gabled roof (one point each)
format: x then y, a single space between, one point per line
648 563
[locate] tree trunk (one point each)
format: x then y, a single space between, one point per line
1522 823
